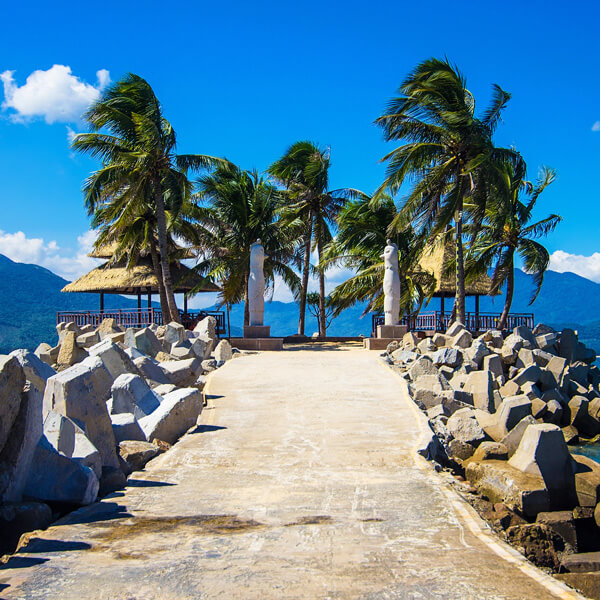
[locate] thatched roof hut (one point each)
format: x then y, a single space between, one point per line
434 261
108 251
140 278
118 278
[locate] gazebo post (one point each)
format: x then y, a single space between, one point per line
477 312
185 303
101 302
139 314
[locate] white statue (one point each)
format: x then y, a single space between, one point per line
391 284
256 284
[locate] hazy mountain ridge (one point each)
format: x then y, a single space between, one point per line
30 296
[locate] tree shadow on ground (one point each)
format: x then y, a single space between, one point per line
42 546
207 428
147 483
322 347
100 511
21 562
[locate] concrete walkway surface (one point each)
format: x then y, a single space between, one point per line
300 482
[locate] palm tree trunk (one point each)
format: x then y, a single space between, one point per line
460 268
453 312
164 305
322 323
246 303
305 273
510 288
164 256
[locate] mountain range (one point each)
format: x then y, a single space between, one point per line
30 296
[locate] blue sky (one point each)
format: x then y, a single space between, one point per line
244 80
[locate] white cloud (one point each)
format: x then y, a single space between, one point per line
55 94
67 263
586 266
596 126
70 135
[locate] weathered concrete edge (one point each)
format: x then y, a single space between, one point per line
466 513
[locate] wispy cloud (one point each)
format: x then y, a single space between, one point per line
68 263
56 95
586 266
596 126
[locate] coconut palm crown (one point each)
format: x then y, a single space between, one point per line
360 239
235 208
304 171
447 155
507 232
137 147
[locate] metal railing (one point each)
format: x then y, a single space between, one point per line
437 321
142 317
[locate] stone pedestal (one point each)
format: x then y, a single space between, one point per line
257 331
391 331
378 343
254 343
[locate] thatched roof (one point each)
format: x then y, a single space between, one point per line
108 250
118 279
433 261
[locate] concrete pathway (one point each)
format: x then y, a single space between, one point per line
301 482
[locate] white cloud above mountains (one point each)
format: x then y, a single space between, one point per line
67 263
72 263
56 95
586 266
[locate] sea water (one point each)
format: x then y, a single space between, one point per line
590 450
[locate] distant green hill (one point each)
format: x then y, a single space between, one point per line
30 296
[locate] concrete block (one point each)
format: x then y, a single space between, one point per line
480 385
36 371
543 452
58 478
113 357
18 451
178 412
80 393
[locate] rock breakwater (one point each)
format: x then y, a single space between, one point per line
503 409
78 418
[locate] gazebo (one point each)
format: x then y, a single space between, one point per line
434 261
136 280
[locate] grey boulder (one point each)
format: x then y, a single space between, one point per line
178 411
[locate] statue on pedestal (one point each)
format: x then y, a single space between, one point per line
391 284
256 284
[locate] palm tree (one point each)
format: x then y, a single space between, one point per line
133 234
304 171
361 236
448 155
506 232
235 208
137 147
313 303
